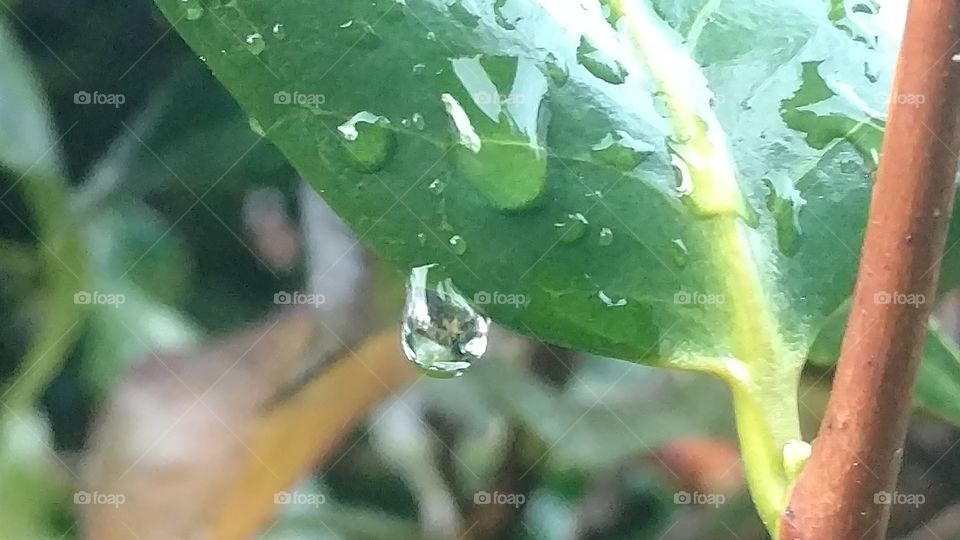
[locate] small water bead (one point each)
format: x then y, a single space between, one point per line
437 186
442 334
606 236
279 31
255 43
418 122
678 253
192 9
368 140
572 228
256 127
610 302
457 244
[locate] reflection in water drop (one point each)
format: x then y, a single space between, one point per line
461 123
442 334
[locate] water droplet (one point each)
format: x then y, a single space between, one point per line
610 302
849 166
621 151
436 187
255 43
660 104
368 140
606 236
678 253
417 121
442 334
955 58
359 33
422 238
557 71
279 31
602 68
785 214
192 9
684 179
418 69
510 172
457 244
431 36
463 15
572 228
257 128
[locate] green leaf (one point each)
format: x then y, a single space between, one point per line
29 152
365 99
938 382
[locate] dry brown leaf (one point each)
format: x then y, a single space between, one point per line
196 445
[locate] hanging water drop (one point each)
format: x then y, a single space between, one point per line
255 43
442 334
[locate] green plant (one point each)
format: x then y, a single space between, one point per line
682 184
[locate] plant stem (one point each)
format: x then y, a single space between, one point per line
856 456
762 372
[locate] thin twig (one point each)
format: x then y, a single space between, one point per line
856 456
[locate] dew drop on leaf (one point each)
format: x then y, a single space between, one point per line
279 31
441 333
368 141
621 151
436 187
255 43
606 236
256 127
457 244
678 253
572 228
610 302
192 9
601 67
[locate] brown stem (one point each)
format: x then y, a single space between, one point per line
856 455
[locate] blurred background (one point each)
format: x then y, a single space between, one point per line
193 346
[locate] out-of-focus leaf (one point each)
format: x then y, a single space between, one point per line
31 482
220 424
938 382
